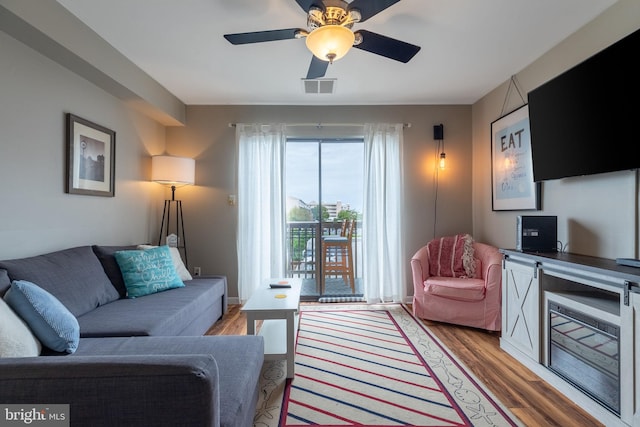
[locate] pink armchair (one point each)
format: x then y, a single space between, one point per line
474 302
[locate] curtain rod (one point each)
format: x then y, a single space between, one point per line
319 125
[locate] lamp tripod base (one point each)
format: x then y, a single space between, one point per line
179 225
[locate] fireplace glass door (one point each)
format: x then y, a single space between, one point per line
585 350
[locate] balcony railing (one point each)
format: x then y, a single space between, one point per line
304 243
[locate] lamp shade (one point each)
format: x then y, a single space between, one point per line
330 42
173 170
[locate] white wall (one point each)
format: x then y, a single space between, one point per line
36 215
596 214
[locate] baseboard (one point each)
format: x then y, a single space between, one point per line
236 300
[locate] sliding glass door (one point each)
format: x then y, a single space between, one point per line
324 189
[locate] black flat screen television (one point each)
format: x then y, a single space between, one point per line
587 120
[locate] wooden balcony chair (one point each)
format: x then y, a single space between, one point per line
337 255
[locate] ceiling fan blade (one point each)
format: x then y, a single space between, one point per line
387 47
317 68
261 36
306 4
369 8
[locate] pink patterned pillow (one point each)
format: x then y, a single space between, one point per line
452 256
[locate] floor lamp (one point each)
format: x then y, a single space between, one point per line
175 172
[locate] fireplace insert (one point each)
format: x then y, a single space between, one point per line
583 347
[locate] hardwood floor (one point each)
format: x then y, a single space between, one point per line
529 397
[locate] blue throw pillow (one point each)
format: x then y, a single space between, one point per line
47 317
148 271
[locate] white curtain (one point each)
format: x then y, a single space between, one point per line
384 266
261 210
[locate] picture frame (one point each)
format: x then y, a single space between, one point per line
512 184
91 150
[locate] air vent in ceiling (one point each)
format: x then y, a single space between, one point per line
319 86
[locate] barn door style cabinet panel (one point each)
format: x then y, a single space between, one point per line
520 308
574 320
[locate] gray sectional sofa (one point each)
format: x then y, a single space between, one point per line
139 361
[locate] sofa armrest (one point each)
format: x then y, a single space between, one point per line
493 281
491 260
493 297
154 390
419 270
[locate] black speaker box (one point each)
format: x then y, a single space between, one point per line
438 132
537 233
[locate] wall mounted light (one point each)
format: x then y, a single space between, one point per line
438 135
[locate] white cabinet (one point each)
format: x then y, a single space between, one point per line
592 289
521 307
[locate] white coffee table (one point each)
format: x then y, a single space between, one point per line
278 308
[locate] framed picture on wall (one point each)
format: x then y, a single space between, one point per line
91 150
512 185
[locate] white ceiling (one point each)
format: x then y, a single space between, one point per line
468 48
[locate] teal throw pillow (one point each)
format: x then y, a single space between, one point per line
51 322
148 271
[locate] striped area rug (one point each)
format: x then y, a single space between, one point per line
373 365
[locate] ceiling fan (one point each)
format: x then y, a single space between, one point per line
329 34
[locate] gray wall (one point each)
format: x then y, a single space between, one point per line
36 215
597 215
211 223
36 92
49 28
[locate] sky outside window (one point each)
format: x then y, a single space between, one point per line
342 172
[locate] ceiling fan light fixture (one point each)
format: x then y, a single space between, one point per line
330 42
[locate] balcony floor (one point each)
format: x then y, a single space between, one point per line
336 290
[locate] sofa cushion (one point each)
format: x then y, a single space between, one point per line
47 317
74 276
16 339
110 265
148 271
189 310
455 288
177 261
